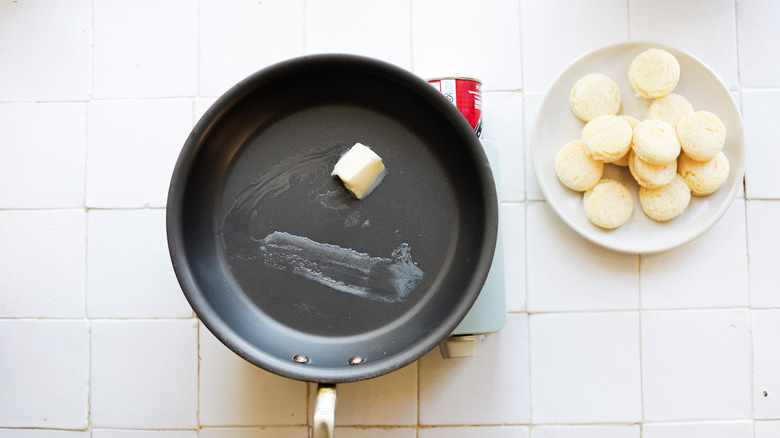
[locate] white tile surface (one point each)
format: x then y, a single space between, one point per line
144 374
144 48
240 37
712 39
43 150
123 433
759 56
689 277
235 392
132 146
98 96
374 432
763 237
479 390
684 352
43 260
44 374
462 38
60 37
42 433
596 278
389 400
760 111
731 429
503 125
130 273
585 432
382 30
766 429
474 432
585 368
572 23
254 432
766 357
531 104
514 259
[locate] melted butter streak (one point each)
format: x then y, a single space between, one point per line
384 279
343 269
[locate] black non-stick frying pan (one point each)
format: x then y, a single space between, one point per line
289 270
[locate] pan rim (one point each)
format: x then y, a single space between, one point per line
222 330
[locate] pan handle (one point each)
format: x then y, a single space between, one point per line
324 424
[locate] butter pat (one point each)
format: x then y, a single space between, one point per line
360 169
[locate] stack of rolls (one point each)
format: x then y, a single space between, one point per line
674 152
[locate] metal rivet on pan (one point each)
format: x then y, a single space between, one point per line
357 360
300 358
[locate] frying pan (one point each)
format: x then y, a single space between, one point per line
289 270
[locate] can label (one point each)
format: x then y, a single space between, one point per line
466 95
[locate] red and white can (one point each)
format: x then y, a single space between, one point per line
466 95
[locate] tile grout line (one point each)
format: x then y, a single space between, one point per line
411 35
197 377
305 26
530 381
628 18
87 105
639 341
736 50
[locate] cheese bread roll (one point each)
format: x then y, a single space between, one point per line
609 204
594 95
607 138
654 73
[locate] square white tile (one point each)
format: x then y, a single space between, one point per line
44 373
766 357
760 111
766 429
585 368
684 352
474 432
375 432
378 30
60 37
389 400
240 37
763 238
132 147
43 146
144 374
254 432
43 260
42 433
544 58
503 125
670 22
595 279
722 429
759 56
126 433
129 271
590 431
530 105
513 224
234 392
689 277
145 48
463 38
489 389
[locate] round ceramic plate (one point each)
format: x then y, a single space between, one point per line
555 125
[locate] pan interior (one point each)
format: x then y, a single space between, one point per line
271 239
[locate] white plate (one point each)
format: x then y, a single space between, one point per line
555 125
